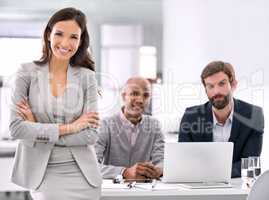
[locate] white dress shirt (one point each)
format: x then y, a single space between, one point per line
222 132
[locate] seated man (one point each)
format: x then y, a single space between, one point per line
224 118
131 144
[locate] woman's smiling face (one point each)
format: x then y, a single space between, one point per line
64 39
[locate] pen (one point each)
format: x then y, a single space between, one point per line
118 179
153 184
131 184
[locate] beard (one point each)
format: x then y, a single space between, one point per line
220 103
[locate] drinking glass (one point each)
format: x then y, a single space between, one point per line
255 164
251 168
244 169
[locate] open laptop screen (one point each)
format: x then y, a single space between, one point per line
198 162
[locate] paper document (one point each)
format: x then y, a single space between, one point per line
157 186
108 184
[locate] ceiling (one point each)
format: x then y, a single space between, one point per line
148 11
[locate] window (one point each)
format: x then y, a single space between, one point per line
148 62
119 60
119 53
13 52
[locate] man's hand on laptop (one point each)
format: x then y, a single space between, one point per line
142 171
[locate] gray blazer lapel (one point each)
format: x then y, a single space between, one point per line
73 94
44 87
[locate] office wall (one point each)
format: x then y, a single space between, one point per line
199 31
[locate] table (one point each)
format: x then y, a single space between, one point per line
235 193
7 148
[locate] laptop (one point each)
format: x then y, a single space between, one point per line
198 164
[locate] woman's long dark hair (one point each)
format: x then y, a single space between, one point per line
82 57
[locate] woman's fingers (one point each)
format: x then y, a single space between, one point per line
90 119
93 119
90 125
24 109
24 105
21 105
93 123
21 114
93 115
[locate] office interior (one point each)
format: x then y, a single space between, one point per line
166 41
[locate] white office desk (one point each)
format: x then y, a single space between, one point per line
235 193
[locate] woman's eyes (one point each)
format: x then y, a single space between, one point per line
74 37
61 34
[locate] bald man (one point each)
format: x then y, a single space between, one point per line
130 143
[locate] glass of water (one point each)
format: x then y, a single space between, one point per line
255 164
251 169
244 169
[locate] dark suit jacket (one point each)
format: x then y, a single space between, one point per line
246 133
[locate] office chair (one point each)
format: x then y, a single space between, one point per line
259 190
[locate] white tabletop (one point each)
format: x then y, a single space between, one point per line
7 148
234 193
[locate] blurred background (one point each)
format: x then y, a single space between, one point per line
167 41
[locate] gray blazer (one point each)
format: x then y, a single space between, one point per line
114 151
37 139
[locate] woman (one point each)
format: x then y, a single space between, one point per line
55 115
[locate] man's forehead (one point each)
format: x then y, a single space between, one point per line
216 78
138 87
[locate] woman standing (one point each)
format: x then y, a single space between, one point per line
55 116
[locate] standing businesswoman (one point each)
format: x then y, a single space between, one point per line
54 115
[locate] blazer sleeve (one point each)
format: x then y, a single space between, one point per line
21 129
87 136
253 144
184 134
157 154
102 148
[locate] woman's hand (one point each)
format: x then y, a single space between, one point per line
90 119
24 110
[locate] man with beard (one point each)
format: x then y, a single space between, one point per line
224 118
130 143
